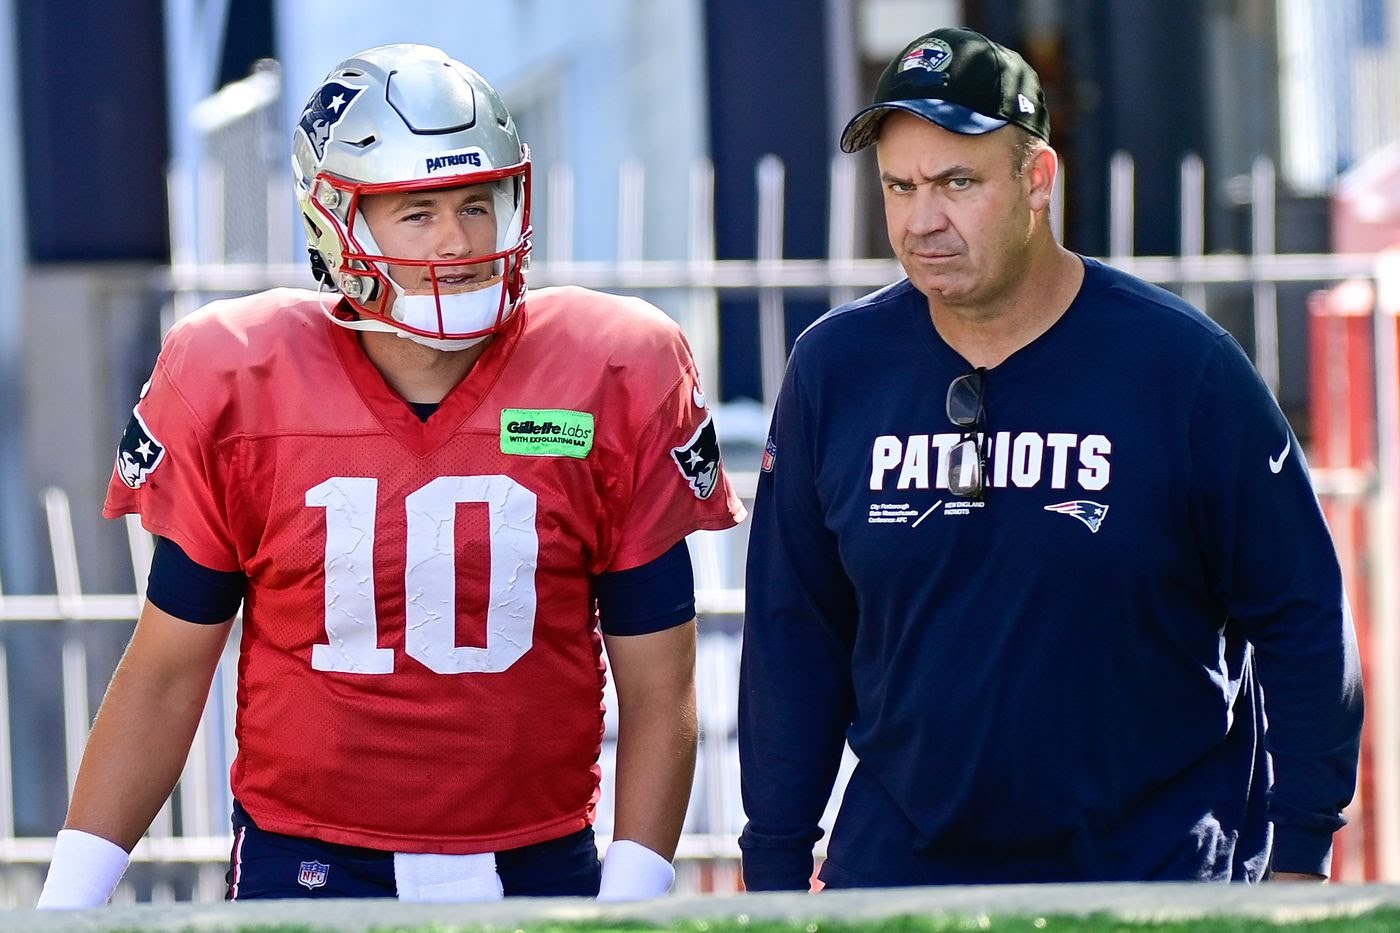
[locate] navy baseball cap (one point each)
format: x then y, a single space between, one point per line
960 80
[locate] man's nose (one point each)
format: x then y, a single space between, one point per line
928 214
454 240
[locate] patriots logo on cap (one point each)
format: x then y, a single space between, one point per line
1090 513
933 55
698 459
324 110
139 453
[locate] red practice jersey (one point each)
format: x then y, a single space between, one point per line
420 667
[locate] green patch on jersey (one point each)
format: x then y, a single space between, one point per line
546 432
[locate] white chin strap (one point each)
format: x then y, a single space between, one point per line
479 305
461 313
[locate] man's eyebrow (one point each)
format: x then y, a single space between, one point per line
953 171
417 199
412 200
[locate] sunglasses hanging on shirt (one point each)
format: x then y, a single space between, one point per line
967 463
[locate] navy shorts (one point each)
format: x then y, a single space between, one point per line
271 865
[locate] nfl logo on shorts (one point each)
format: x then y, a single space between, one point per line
312 874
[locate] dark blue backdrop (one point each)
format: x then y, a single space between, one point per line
768 94
96 139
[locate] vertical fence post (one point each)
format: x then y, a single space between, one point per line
183 238
77 711
841 222
280 226
702 323
559 242
771 336
631 195
7 762
1193 228
1263 216
1121 171
141 544
1057 204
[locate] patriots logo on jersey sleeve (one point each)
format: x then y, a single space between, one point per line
698 459
1090 513
139 453
324 111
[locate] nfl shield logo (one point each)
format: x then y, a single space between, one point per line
312 875
770 454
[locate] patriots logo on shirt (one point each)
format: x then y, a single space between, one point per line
1090 513
139 453
313 874
698 459
324 111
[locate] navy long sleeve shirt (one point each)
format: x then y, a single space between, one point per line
1066 680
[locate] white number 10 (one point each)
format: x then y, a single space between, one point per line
430 578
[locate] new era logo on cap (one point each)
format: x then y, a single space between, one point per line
958 79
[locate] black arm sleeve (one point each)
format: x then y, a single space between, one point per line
191 591
659 594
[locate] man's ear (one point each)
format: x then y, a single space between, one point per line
1041 171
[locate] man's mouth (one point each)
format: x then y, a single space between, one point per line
447 281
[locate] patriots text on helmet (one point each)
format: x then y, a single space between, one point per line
452 160
1024 460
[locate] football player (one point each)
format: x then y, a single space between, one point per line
436 500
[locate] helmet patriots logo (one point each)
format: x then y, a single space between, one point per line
324 110
139 453
1090 513
698 459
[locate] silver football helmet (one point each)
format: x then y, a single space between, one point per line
407 118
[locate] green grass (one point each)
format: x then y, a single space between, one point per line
1379 921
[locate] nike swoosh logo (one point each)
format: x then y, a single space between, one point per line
698 398
1276 463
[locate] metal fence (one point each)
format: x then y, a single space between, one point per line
184 854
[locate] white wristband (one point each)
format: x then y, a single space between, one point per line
632 872
83 872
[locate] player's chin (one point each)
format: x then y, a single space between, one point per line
940 285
